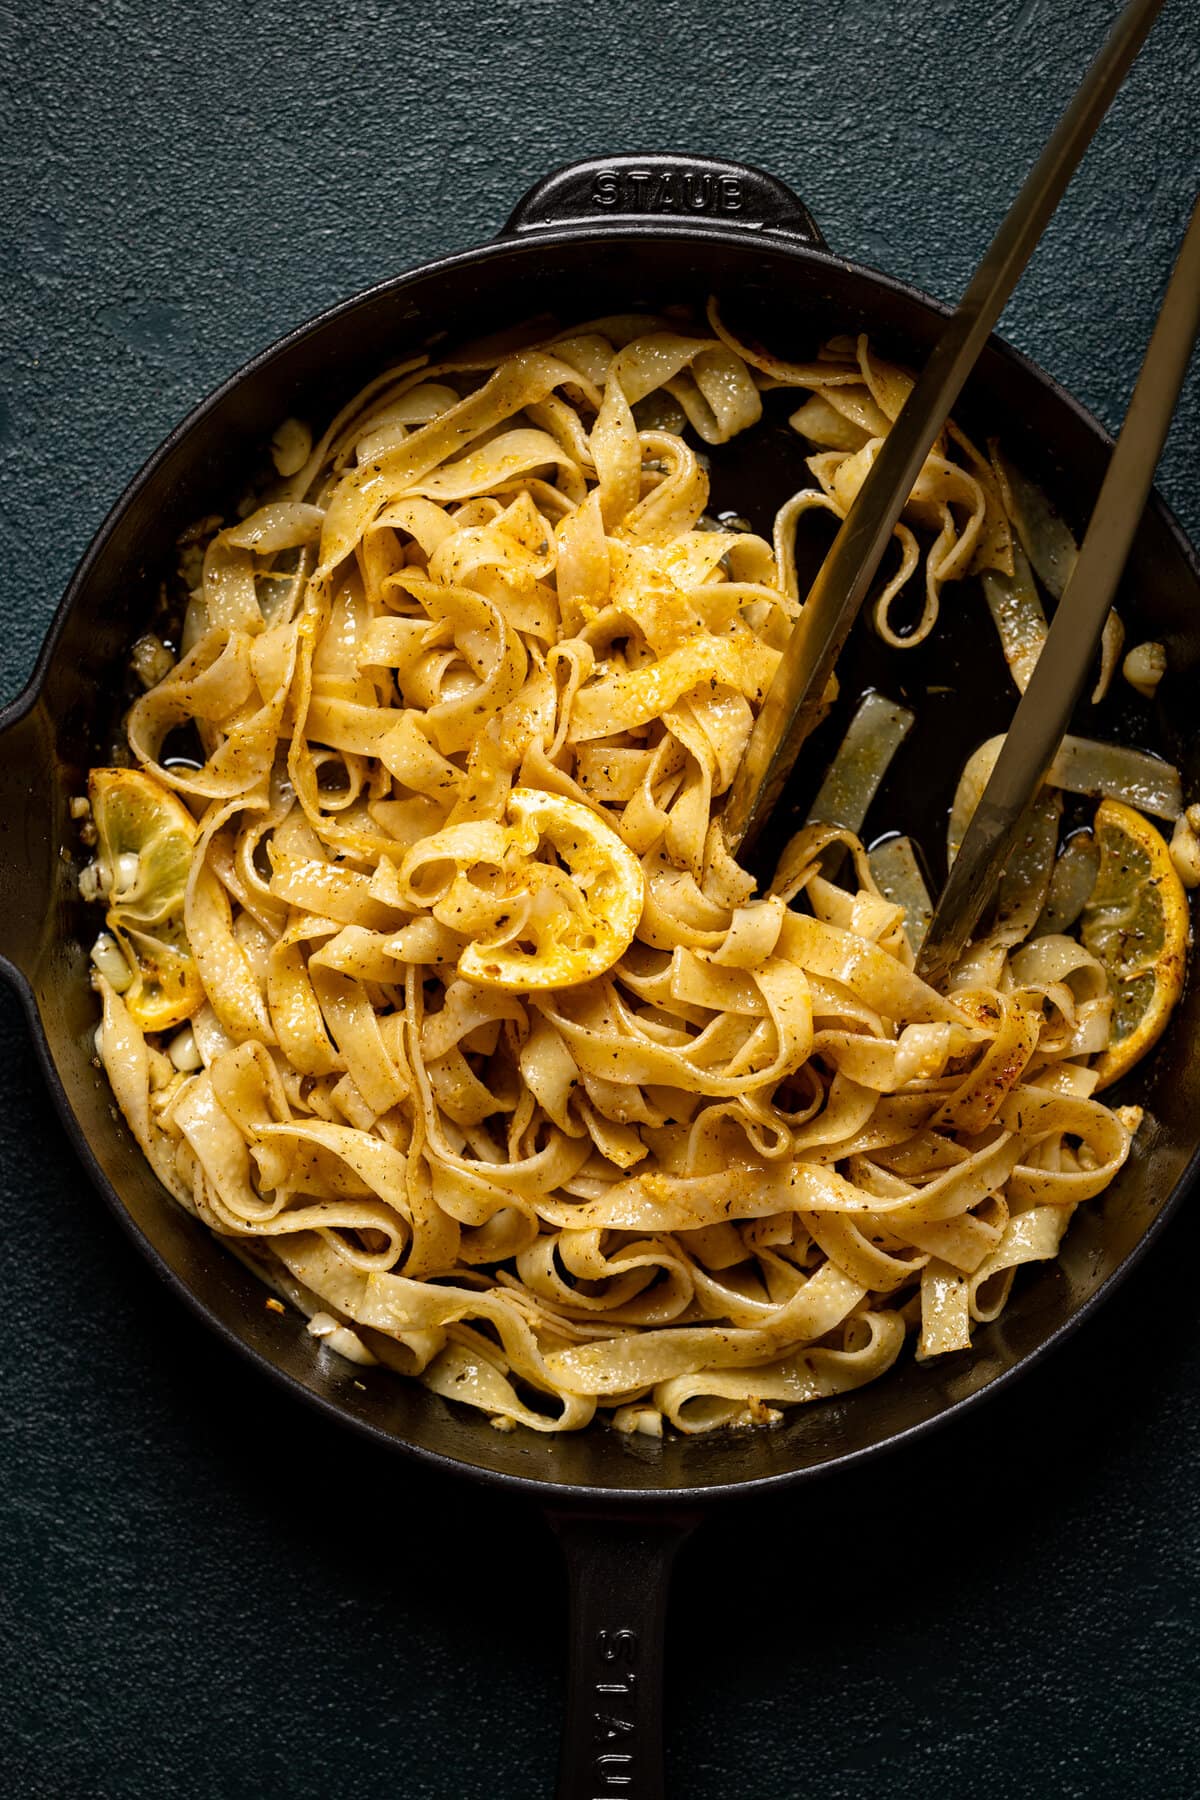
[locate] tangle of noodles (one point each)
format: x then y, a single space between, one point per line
499 1067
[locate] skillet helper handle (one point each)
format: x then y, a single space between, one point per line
29 836
618 1574
668 189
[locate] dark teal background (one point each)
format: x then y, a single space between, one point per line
205 1592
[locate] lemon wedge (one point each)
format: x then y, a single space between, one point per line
1136 924
145 837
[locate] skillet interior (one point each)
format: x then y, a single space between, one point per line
788 298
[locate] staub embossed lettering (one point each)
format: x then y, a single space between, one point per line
667 191
614 1684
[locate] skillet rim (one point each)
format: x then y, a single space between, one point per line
563 1495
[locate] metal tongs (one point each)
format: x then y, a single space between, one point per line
793 703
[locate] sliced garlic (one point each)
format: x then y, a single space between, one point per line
151 659
290 446
93 881
347 1343
1185 851
645 1419
1144 668
111 962
126 873
184 1052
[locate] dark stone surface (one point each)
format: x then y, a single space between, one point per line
208 1594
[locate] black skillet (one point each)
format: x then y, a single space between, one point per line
599 236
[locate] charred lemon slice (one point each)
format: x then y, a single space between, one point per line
549 897
585 893
145 837
1136 924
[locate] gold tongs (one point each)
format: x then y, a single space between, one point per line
794 700
1054 687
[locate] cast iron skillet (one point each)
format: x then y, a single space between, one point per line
599 236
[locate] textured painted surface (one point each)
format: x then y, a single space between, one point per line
206 1593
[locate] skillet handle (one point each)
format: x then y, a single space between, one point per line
668 189
618 1572
29 835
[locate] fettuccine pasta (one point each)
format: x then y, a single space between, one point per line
493 1061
